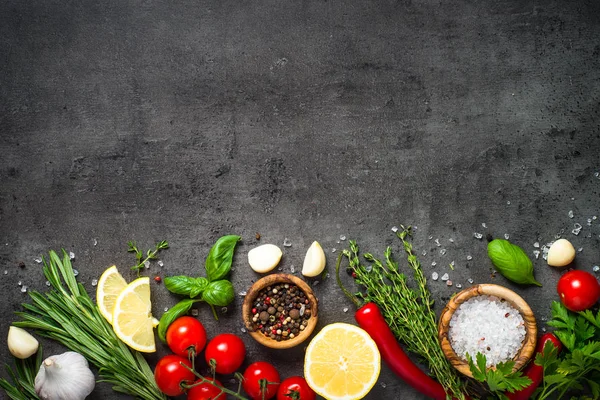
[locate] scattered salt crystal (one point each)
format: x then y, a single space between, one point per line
23 289
394 229
195 312
595 217
48 283
166 309
333 250
243 293
71 255
160 263
458 285
483 225
597 175
580 249
292 269
94 282
571 215
536 253
477 235
484 324
589 222
287 243
506 236
451 240
243 330
369 268
470 280
576 229
430 237
596 268
147 264
544 329
342 237
445 277
95 242
437 242
452 265
383 385
508 203
223 310
536 245
424 252
345 309
469 258
434 276
442 251
38 260
448 282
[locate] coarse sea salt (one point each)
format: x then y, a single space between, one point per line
486 325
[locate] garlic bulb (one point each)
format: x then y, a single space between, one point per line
64 377
20 343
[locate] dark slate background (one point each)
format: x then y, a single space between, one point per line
306 120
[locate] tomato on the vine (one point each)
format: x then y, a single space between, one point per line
578 290
261 381
186 335
295 388
206 391
170 374
228 352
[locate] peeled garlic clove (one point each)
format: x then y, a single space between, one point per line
264 258
314 261
20 343
561 253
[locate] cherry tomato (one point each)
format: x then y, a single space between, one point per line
295 388
228 352
261 377
206 391
578 290
170 374
186 335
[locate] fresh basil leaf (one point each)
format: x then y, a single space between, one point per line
219 293
512 262
174 312
220 257
185 285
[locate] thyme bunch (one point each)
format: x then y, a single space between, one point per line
408 312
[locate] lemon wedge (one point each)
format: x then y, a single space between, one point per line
342 362
110 285
132 318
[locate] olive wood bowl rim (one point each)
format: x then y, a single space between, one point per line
527 349
268 281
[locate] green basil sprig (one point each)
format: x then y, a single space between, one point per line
512 262
214 290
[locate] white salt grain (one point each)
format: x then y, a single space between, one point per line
486 325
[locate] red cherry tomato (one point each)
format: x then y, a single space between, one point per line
261 381
578 290
295 388
228 352
186 335
206 391
170 374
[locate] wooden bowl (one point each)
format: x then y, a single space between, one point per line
527 349
271 280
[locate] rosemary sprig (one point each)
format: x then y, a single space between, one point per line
68 315
22 380
150 254
407 311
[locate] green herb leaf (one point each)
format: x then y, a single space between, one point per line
219 293
220 257
478 370
174 312
512 262
186 285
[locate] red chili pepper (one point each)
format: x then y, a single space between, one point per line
534 371
370 319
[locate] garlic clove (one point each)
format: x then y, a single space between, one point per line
264 258
20 343
561 253
314 261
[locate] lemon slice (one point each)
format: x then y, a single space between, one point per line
132 319
110 285
342 362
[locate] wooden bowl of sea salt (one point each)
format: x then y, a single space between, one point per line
489 319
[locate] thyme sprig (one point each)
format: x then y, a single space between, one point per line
68 315
407 311
150 254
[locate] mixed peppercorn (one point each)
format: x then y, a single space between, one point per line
281 311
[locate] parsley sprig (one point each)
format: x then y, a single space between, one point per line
500 379
579 366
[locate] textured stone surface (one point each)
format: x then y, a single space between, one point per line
184 121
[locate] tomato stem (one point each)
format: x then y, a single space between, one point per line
237 394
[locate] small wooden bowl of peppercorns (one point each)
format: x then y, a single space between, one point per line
280 311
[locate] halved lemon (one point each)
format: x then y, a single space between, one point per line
342 362
110 285
132 318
